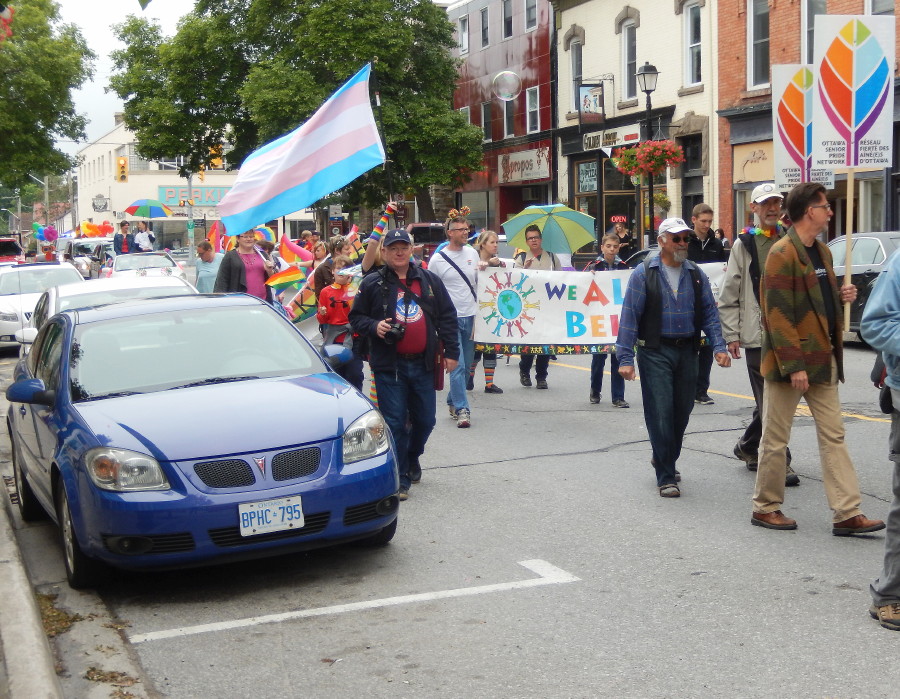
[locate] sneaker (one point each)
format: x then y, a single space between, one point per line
415 469
669 491
746 457
403 494
470 383
704 399
452 410
493 388
887 615
463 418
791 478
541 383
525 380
620 404
595 397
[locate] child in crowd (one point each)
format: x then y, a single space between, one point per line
333 312
608 260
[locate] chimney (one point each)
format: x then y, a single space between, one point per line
118 118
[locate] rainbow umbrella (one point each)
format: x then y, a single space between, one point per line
563 230
149 208
264 233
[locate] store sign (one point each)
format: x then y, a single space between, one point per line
524 165
587 176
611 138
202 196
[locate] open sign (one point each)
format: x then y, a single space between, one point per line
618 219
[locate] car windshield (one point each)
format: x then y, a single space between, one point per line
9 247
99 298
129 262
36 280
83 248
146 353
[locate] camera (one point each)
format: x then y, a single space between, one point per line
395 334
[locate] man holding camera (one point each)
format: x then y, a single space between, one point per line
404 311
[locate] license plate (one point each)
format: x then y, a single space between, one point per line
267 516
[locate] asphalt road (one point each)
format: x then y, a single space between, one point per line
535 559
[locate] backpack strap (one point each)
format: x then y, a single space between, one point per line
748 240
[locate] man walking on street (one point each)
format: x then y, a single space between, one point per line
456 265
668 302
403 310
880 326
704 247
535 258
802 357
208 263
739 309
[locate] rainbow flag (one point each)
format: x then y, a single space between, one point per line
291 252
354 240
215 236
304 304
264 233
228 242
289 277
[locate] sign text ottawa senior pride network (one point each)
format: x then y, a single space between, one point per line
523 311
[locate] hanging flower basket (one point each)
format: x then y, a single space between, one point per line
649 157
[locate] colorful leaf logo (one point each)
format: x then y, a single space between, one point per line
795 120
854 82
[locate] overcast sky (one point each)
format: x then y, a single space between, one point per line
95 18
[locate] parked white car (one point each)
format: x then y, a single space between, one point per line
20 288
143 264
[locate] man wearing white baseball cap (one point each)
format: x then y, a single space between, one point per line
667 304
739 311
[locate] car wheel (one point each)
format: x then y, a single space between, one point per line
29 506
381 538
81 571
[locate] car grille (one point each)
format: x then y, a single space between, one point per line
231 536
296 464
361 513
162 543
230 473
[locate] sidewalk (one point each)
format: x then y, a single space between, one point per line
26 666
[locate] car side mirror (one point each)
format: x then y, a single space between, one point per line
336 355
30 391
26 336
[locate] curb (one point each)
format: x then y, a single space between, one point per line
30 668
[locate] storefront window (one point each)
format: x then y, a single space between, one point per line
871 210
483 208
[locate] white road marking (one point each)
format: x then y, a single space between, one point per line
549 575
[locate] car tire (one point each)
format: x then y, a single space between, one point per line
30 507
81 570
381 538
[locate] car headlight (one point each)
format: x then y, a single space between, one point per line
10 317
123 470
366 437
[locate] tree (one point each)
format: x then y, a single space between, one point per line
267 65
41 64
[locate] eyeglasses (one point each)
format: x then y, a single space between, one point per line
820 206
532 239
454 230
678 238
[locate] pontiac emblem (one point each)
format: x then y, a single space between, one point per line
261 464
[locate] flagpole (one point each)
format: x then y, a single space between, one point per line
378 120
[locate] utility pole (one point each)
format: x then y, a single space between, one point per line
192 251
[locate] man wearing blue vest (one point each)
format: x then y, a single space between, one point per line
667 303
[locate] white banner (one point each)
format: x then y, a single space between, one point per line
555 312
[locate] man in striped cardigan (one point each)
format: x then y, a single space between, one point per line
802 356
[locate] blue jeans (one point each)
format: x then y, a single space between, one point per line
406 398
704 367
456 396
598 362
668 383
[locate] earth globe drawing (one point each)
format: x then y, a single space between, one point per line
509 304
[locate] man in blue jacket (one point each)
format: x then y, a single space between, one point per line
880 327
403 310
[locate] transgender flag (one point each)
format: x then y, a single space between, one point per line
336 145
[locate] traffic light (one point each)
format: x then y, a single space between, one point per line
185 202
122 169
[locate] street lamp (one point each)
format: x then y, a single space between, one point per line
46 185
646 79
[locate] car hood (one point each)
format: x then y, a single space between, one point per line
19 302
221 419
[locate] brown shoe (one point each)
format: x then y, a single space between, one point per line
857 525
773 520
888 615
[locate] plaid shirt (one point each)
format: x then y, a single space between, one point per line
677 313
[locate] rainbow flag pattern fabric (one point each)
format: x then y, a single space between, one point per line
291 252
289 277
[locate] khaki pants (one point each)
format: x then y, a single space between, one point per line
780 400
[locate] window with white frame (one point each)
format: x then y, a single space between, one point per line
509 119
879 7
629 60
507 18
692 47
465 111
758 43
485 33
464 34
530 15
575 51
809 10
532 106
486 121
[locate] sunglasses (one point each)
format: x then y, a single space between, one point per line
678 238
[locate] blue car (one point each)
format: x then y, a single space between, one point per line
182 431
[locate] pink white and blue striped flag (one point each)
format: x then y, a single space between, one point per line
336 145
